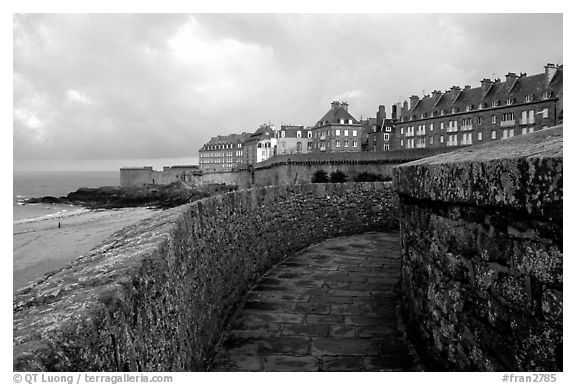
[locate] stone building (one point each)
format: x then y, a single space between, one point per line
496 110
337 131
293 140
381 136
259 146
223 152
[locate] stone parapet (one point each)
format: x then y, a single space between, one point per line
157 295
481 233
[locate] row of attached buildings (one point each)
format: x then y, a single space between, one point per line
495 110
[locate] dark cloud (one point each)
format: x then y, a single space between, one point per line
100 86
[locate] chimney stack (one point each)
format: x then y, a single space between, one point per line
550 70
344 105
485 85
413 100
394 112
335 105
454 91
510 80
380 115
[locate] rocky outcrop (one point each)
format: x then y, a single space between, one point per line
161 196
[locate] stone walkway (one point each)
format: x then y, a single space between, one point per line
331 307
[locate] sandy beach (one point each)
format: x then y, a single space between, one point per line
40 246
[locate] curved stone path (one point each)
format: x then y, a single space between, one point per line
331 307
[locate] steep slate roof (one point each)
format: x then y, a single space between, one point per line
227 139
535 86
292 131
335 114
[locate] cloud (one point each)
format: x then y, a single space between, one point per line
103 86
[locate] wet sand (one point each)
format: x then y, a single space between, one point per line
40 247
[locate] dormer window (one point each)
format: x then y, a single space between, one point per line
341 121
509 101
528 98
442 112
469 108
422 116
454 110
547 95
495 103
349 121
480 106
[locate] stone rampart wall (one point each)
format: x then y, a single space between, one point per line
481 232
156 295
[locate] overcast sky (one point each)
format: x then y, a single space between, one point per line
104 87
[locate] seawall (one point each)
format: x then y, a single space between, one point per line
156 296
481 232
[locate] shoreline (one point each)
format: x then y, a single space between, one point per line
40 246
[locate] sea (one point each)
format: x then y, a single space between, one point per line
35 184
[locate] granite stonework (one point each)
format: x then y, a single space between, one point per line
481 234
157 295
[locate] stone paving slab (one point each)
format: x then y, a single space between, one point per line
331 307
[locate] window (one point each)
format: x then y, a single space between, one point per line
431 140
545 113
528 98
466 138
386 147
442 112
354 133
547 95
283 134
524 131
493 134
524 117
402 130
479 120
402 142
469 108
481 106
309 145
509 101
309 134
493 119
441 138
337 132
345 132
349 121
480 136
495 103
454 110
388 129
346 143
299 134
354 143
431 126
531 117
386 137
337 143
341 121
442 125
508 116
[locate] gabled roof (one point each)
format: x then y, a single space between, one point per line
335 114
535 86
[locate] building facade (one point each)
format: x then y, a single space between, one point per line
337 131
260 145
293 140
381 135
496 110
223 153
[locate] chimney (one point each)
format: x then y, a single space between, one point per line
344 105
510 80
413 100
550 70
436 95
380 115
467 87
405 108
335 105
485 85
394 112
454 91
